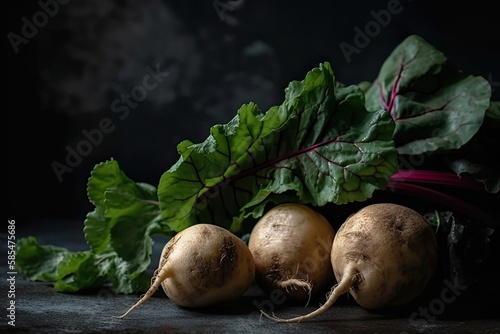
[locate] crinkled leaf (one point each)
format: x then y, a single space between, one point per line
37 262
133 212
88 270
97 227
54 264
125 214
434 105
104 176
77 271
96 230
321 145
71 262
130 235
124 276
123 222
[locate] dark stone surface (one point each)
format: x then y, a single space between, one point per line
40 310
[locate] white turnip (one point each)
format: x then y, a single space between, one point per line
291 246
202 265
383 255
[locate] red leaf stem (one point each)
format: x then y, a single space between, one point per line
394 91
437 177
455 204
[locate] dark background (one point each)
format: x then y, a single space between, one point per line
65 78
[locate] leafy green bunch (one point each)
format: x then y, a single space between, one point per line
326 143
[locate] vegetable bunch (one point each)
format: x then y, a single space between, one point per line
418 128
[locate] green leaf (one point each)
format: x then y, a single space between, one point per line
124 276
96 230
125 215
79 271
434 105
36 262
70 271
97 227
130 234
321 145
104 175
73 272
71 262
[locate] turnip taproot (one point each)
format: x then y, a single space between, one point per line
383 255
291 246
201 266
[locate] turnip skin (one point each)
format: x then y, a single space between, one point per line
394 266
383 255
291 246
201 266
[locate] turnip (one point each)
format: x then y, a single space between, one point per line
202 265
291 246
383 255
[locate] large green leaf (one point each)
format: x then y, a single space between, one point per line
434 105
321 145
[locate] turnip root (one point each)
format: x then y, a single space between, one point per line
202 265
383 255
291 246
